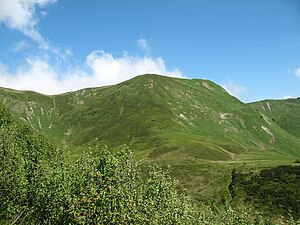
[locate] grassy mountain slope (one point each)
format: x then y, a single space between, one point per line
193 125
33 109
165 118
285 113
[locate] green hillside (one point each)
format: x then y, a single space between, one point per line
163 117
194 126
285 113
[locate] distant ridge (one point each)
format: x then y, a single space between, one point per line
285 113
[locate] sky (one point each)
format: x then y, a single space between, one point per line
249 47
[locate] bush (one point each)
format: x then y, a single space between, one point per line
113 190
275 190
28 162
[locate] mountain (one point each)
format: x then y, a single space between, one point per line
285 113
159 115
193 125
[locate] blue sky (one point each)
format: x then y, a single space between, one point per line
250 47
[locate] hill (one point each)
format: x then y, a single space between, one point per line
285 113
193 125
196 118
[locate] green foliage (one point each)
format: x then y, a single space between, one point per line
275 190
28 162
113 190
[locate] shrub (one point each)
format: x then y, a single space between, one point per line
28 162
113 190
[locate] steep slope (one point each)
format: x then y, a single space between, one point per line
162 118
285 113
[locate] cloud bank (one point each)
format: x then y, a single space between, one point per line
100 68
21 15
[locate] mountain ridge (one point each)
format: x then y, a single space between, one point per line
147 108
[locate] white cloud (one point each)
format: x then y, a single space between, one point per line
21 15
234 89
21 45
37 75
143 43
297 72
288 96
100 68
60 54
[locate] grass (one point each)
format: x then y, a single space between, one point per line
285 113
